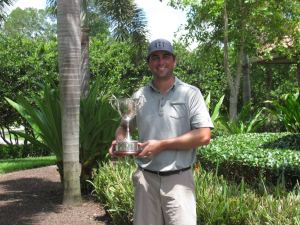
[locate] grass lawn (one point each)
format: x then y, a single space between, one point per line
9 165
20 138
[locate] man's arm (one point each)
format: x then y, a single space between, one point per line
191 139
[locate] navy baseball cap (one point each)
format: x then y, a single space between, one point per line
160 44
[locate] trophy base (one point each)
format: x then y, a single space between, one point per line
127 147
124 153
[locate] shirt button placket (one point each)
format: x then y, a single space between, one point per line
161 108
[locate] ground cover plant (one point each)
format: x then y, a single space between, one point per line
254 156
113 187
9 165
219 201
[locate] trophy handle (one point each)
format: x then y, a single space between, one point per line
141 103
113 104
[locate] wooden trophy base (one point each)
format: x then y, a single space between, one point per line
124 153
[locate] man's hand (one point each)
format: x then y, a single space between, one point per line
151 148
113 148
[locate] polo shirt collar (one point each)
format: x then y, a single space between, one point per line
176 84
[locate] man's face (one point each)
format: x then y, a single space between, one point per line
161 64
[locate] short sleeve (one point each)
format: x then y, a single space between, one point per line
199 114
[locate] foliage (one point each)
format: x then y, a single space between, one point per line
203 68
215 114
251 24
218 201
22 62
21 151
10 165
4 7
114 189
288 112
263 21
254 155
283 79
247 121
30 23
216 109
223 202
44 120
117 63
98 122
98 24
126 19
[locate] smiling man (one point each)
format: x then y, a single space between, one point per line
171 125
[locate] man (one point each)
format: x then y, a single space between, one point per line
172 123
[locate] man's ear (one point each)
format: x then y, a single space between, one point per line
175 61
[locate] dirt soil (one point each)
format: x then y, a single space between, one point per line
35 196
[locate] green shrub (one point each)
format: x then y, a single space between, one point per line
218 201
23 61
288 112
253 156
114 189
22 151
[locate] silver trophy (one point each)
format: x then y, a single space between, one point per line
127 108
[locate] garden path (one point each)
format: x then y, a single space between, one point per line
35 196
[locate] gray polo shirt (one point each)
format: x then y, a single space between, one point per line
181 109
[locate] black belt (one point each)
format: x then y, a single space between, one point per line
166 173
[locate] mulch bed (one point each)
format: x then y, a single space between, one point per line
35 196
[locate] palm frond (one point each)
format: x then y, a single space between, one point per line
4 4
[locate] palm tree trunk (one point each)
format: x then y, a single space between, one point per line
85 55
69 56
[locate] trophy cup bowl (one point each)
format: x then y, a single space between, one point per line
127 109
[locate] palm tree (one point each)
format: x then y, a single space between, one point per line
127 20
3 7
69 56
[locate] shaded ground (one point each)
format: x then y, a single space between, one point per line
35 196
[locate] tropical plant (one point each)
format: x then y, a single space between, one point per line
98 122
114 189
247 121
23 61
241 27
3 7
288 112
219 201
216 109
127 21
44 120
